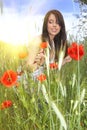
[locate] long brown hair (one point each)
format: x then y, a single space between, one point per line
60 38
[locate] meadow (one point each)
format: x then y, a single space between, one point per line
56 101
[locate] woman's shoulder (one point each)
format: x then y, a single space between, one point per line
38 36
36 40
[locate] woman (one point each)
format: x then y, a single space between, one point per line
54 33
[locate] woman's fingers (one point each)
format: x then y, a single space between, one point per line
66 60
39 57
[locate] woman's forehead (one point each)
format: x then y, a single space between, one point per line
52 16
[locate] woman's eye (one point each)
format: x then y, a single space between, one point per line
50 21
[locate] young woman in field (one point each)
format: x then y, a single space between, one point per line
53 32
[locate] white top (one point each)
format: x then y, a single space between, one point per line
52 53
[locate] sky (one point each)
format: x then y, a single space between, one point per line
21 20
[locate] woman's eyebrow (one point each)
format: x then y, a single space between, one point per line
50 20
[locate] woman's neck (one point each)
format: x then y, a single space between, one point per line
51 37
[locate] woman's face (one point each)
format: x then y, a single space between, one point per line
53 26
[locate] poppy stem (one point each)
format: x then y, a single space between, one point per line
78 91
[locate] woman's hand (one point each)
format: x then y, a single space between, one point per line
39 59
66 60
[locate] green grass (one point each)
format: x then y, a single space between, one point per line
65 90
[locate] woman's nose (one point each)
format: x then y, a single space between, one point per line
54 24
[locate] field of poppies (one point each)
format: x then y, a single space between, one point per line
57 100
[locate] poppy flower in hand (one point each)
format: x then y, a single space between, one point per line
9 78
76 51
44 45
6 104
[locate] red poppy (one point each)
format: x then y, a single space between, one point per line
53 65
6 104
41 77
9 78
76 51
44 45
23 54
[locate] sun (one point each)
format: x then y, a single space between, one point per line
12 32
17 30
